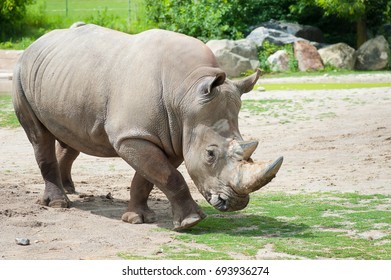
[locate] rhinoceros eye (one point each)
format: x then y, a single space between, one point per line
210 155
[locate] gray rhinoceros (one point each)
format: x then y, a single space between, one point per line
155 99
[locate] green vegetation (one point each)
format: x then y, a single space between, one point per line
268 49
41 16
359 12
215 19
7 114
312 225
205 19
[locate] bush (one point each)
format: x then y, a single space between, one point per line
215 19
12 13
268 49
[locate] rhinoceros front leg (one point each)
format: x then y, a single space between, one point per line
152 164
138 211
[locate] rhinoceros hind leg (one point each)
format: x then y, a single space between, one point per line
44 148
65 157
138 211
43 143
54 194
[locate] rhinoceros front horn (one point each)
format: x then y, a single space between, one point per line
254 176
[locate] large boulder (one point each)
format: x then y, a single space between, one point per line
307 56
310 33
277 37
279 61
374 54
338 55
235 57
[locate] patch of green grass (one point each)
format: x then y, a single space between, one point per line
259 106
322 86
285 110
7 114
312 225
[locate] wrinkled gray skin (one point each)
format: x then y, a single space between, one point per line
153 99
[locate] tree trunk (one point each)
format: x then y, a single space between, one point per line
361 31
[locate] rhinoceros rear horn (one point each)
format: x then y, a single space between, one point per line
247 84
248 148
254 176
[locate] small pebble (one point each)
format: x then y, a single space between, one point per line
22 241
109 196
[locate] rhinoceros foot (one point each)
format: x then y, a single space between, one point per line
189 221
139 217
55 203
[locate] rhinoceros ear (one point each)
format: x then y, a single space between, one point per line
213 81
247 84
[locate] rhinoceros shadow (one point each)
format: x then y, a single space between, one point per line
113 208
250 225
235 224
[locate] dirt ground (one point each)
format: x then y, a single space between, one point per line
332 140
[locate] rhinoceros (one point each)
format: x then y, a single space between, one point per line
154 99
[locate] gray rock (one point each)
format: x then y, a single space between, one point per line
310 33
279 61
77 24
235 57
22 241
307 56
374 54
277 37
338 55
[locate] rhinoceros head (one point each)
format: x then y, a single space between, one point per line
217 159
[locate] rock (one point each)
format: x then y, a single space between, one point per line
374 54
22 241
277 37
310 33
109 196
235 57
338 55
77 24
279 61
307 56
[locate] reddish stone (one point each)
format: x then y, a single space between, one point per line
307 56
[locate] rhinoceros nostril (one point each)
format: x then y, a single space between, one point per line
219 202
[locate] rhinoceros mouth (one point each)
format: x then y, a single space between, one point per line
218 202
225 203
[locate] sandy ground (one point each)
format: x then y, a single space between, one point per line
336 140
